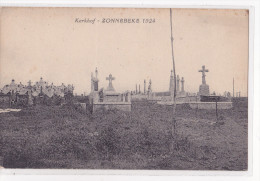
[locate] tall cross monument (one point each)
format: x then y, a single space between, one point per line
110 87
203 70
204 88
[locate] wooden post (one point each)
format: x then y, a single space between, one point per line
174 94
216 108
197 107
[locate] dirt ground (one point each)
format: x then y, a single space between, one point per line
67 137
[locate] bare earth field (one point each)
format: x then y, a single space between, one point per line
67 137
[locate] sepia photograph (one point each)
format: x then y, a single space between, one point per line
124 88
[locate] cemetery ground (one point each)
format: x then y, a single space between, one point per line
67 137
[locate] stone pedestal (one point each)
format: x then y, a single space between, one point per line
204 90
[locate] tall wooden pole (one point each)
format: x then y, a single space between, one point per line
174 78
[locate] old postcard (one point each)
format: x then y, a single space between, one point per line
124 88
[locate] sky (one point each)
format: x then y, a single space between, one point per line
48 43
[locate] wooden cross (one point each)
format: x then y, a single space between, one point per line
203 74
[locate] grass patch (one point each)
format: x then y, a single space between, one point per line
67 137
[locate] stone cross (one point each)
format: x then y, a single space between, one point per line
110 78
203 74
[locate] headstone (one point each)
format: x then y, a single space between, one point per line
29 83
229 95
182 84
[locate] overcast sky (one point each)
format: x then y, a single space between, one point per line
47 42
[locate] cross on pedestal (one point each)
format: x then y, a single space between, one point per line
203 74
110 78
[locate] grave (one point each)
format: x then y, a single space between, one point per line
108 99
208 101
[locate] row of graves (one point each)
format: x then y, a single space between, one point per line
142 95
164 97
200 100
41 93
107 99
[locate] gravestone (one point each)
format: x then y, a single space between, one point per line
182 84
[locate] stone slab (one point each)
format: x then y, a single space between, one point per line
210 105
123 106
